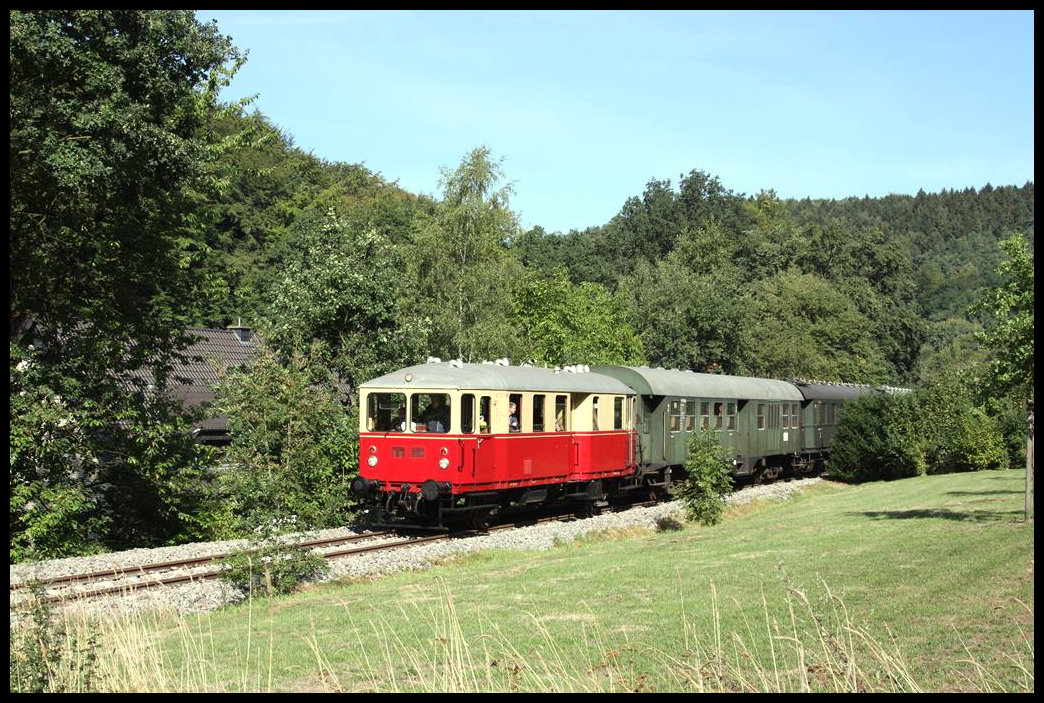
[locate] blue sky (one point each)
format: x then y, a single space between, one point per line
584 108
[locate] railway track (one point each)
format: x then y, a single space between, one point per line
133 579
127 581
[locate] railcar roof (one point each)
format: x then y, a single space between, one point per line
832 391
444 375
668 382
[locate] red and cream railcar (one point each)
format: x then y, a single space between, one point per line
438 444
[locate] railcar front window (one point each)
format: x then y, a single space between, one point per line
430 412
385 412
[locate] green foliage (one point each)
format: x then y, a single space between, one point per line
565 324
808 328
464 272
293 446
974 443
708 470
879 437
110 470
110 114
342 285
272 564
44 656
1009 331
688 318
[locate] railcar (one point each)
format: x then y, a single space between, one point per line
437 446
454 443
756 419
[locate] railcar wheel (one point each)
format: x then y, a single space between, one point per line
480 520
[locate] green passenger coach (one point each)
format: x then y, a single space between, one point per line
758 420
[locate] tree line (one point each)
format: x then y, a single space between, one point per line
141 204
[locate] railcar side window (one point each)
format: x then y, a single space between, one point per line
705 415
674 410
730 411
386 412
594 414
484 416
617 413
717 416
430 412
467 413
538 413
516 426
786 414
795 415
761 416
690 415
561 402
772 415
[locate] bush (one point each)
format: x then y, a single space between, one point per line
708 479
878 438
974 443
272 565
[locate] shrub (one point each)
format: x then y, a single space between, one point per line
973 443
271 565
878 438
708 479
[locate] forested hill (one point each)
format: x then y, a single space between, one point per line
699 276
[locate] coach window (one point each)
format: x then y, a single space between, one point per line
674 410
516 399
786 414
761 416
594 414
730 416
617 413
795 414
538 413
467 413
484 416
717 415
773 416
561 403
690 415
705 415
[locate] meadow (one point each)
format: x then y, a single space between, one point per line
917 585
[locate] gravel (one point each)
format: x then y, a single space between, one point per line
209 595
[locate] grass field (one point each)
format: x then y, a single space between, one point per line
923 584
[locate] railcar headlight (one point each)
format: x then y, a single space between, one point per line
443 463
371 461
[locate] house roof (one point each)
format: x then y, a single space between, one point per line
204 362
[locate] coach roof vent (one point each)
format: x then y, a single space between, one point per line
242 333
